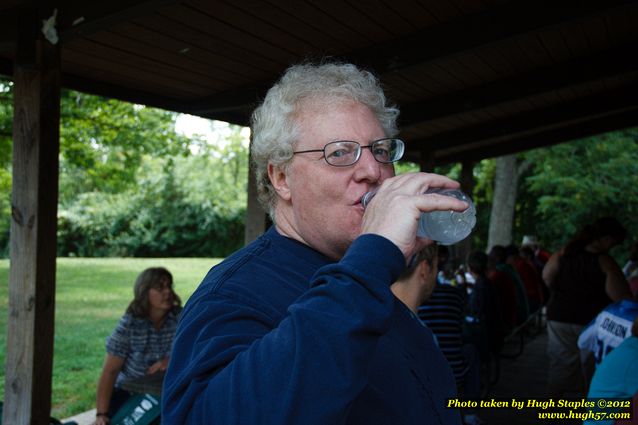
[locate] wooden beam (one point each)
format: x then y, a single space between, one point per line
532 121
6 68
467 180
256 219
113 91
241 99
417 48
598 66
30 327
86 17
426 161
491 26
8 28
587 127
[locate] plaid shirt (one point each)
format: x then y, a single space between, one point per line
136 340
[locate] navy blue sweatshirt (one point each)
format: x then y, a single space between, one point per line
279 334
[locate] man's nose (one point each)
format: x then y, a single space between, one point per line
367 168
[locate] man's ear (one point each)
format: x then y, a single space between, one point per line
279 181
423 269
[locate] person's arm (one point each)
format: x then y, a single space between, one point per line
239 358
616 285
550 271
110 370
158 366
235 361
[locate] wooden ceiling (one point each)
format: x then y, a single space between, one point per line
473 78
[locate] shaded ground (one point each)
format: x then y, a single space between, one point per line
522 378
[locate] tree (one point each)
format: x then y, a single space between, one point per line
6 117
103 141
508 171
574 183
181 206
217 172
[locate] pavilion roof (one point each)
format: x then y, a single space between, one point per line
473 78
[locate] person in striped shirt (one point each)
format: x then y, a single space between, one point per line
444 313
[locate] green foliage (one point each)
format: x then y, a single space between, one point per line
91 296
6 125
103 142
217 174
130 185
403 167
160 218
572 184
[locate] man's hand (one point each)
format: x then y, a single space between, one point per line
395 210
158 366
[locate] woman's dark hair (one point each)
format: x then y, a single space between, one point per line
150 278
604 226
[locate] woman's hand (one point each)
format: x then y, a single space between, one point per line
101 420
158 366
112 367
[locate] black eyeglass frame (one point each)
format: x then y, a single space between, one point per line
400 147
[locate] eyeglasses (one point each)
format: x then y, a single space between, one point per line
343 153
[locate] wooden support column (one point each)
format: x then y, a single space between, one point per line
33 227
256 218
427 162
467 181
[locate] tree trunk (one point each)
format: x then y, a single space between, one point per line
502 215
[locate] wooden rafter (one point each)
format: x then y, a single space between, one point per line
607 64
586 127
419 48
548 117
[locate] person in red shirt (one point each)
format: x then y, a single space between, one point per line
529 275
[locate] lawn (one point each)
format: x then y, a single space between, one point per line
91 296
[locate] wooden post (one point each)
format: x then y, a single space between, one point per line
36 143
427 161
256 218
467 181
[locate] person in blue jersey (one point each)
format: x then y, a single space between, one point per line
617 378
608 329
140 345
583 279
300 326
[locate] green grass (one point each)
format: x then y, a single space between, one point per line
91 296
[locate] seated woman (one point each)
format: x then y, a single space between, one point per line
139 346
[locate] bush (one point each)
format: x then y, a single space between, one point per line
157 222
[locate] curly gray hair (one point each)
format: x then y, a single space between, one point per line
275 129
